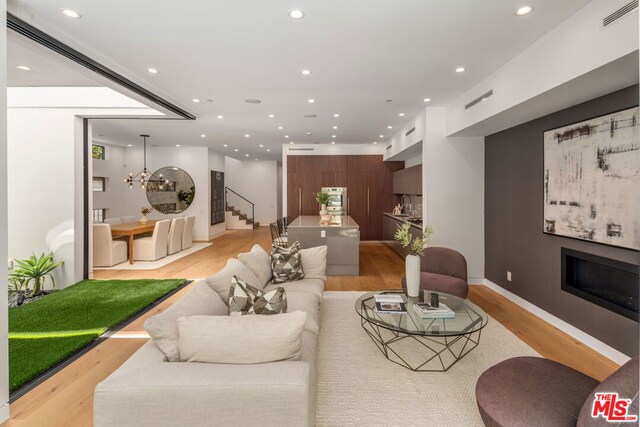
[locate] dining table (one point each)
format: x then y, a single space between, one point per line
132 229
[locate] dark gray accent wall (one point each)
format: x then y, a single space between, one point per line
513 225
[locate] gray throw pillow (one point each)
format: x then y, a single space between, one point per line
245 299
286 263
273 302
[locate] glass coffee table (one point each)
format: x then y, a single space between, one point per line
423 344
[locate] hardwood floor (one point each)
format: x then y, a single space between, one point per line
66 399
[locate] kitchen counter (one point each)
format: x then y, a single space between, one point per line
341 238
402 219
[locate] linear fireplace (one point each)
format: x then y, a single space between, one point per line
608 283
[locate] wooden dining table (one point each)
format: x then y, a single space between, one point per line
132 229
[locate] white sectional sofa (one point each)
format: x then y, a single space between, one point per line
148 390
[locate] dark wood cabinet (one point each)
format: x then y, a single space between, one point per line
408 181
369 182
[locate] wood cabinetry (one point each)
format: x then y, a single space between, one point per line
390 225
369 182
408 181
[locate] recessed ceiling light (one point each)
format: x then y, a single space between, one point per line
196 100
311 100
152 70
225 145
333 142
401 114
381 136
427 100
255 159
286 136
375 142
246 135
336 115
460 70
309 133
291 143
220 116
261 145
23 68
268 149
71 13
252 101
389 127
524 10
280 128
203 136
271 116
129 145
246 155
306 72
333 136
235 149
335 127
177 145
296 14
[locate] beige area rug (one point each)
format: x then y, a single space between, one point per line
152 265
358 386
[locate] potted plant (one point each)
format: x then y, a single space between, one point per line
35 270
415 246
187 195
18 286
145 211
322 197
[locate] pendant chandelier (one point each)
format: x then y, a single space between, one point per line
144 177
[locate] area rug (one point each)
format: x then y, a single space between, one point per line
358 386
153 265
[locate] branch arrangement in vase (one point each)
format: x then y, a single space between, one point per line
414 245
322 197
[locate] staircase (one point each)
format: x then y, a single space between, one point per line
235 218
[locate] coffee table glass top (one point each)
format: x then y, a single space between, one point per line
468 318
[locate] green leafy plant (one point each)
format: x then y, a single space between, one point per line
414 244
17 284
35 270
146 211
187 195
322 197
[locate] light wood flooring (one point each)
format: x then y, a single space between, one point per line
66 399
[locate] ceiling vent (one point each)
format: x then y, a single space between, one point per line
301 149
310 116
623 11
479 99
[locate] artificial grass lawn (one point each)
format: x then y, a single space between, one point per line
46 331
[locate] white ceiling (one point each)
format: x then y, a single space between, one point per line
361 53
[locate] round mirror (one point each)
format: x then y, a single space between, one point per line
170 190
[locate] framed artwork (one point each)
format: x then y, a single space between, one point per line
592 180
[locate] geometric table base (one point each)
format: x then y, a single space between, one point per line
421 353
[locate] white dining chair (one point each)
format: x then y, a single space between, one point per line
154 247
113 221
129 219
174 242
106 251
187 234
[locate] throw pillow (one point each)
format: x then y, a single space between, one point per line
286 263
314 262
273 302
241 340
163 327
241 296
258 261
220 281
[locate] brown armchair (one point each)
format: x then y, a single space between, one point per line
443 270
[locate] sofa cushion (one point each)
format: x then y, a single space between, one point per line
286 263
308 303
241 296
310 286
163 327
314 262
259 262
272 302
221 281
241 340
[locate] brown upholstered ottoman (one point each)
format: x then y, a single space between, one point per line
532 391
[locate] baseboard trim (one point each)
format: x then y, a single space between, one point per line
583 337
4 412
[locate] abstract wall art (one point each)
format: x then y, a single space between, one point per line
592 180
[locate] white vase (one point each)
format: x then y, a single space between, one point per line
323 210
412 272
143 219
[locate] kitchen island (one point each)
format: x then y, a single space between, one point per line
341 235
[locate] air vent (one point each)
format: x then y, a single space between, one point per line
310 116
388 147
479 99
410 131
301 149
624 10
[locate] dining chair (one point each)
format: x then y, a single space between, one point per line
276 238
187 234
282 227
112 221
129 219
154 247
106 251
174 241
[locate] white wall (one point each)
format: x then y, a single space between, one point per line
4 352
453 191
256 181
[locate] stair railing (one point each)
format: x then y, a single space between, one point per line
227 190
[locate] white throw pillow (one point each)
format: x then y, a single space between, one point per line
259 261
241 339
314 262
221 281
163 327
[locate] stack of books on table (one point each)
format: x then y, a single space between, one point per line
427 311
389 303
